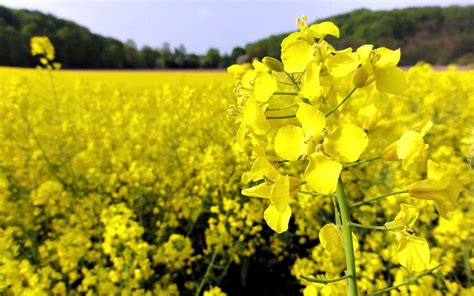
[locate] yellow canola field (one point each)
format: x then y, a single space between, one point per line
129 183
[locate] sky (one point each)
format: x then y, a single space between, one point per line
199 25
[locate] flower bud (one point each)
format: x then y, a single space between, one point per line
360 77
273 64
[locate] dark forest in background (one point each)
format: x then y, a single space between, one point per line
433 34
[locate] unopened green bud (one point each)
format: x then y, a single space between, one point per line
360 77
273 64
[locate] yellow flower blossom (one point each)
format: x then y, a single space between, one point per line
440 186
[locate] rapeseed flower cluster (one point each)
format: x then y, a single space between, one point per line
299 129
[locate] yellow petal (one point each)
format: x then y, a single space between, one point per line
290 39
427 189
259 66
290 142
445 208
238 70
439 173
280 194
322 173
331 239
265 86
390 80
312 120
241 133
406 217
262 190
346 143
388 57
364 51
262 168
248 79
297 56
410 148
311 85
413 252
325 28
422 127
341 65
254 117
278 221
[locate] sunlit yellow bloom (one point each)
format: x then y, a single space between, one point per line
410 147
382 64
239 70
345 144
342 64
441 186
41 45
277 188
413 252
254 117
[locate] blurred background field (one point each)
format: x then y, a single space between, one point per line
125 182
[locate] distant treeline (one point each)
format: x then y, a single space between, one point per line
77 47
433 34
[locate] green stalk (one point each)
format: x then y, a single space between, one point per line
281 117
324 281
407 282
362 162
285 94
347 239
206 275
365 202
342 102
282 108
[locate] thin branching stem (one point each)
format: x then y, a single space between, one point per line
407 282
324 281
283 93
368 201
282 108
362 162
206 275
281 117
316 193
293 82
371 227
342 102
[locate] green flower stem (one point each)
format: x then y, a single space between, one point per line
293 82
281 117
282 108
282 93
342 102
285 83
371 227
362 161
409 281
316 193
324 281
347 239
364 202
337 216
206 275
